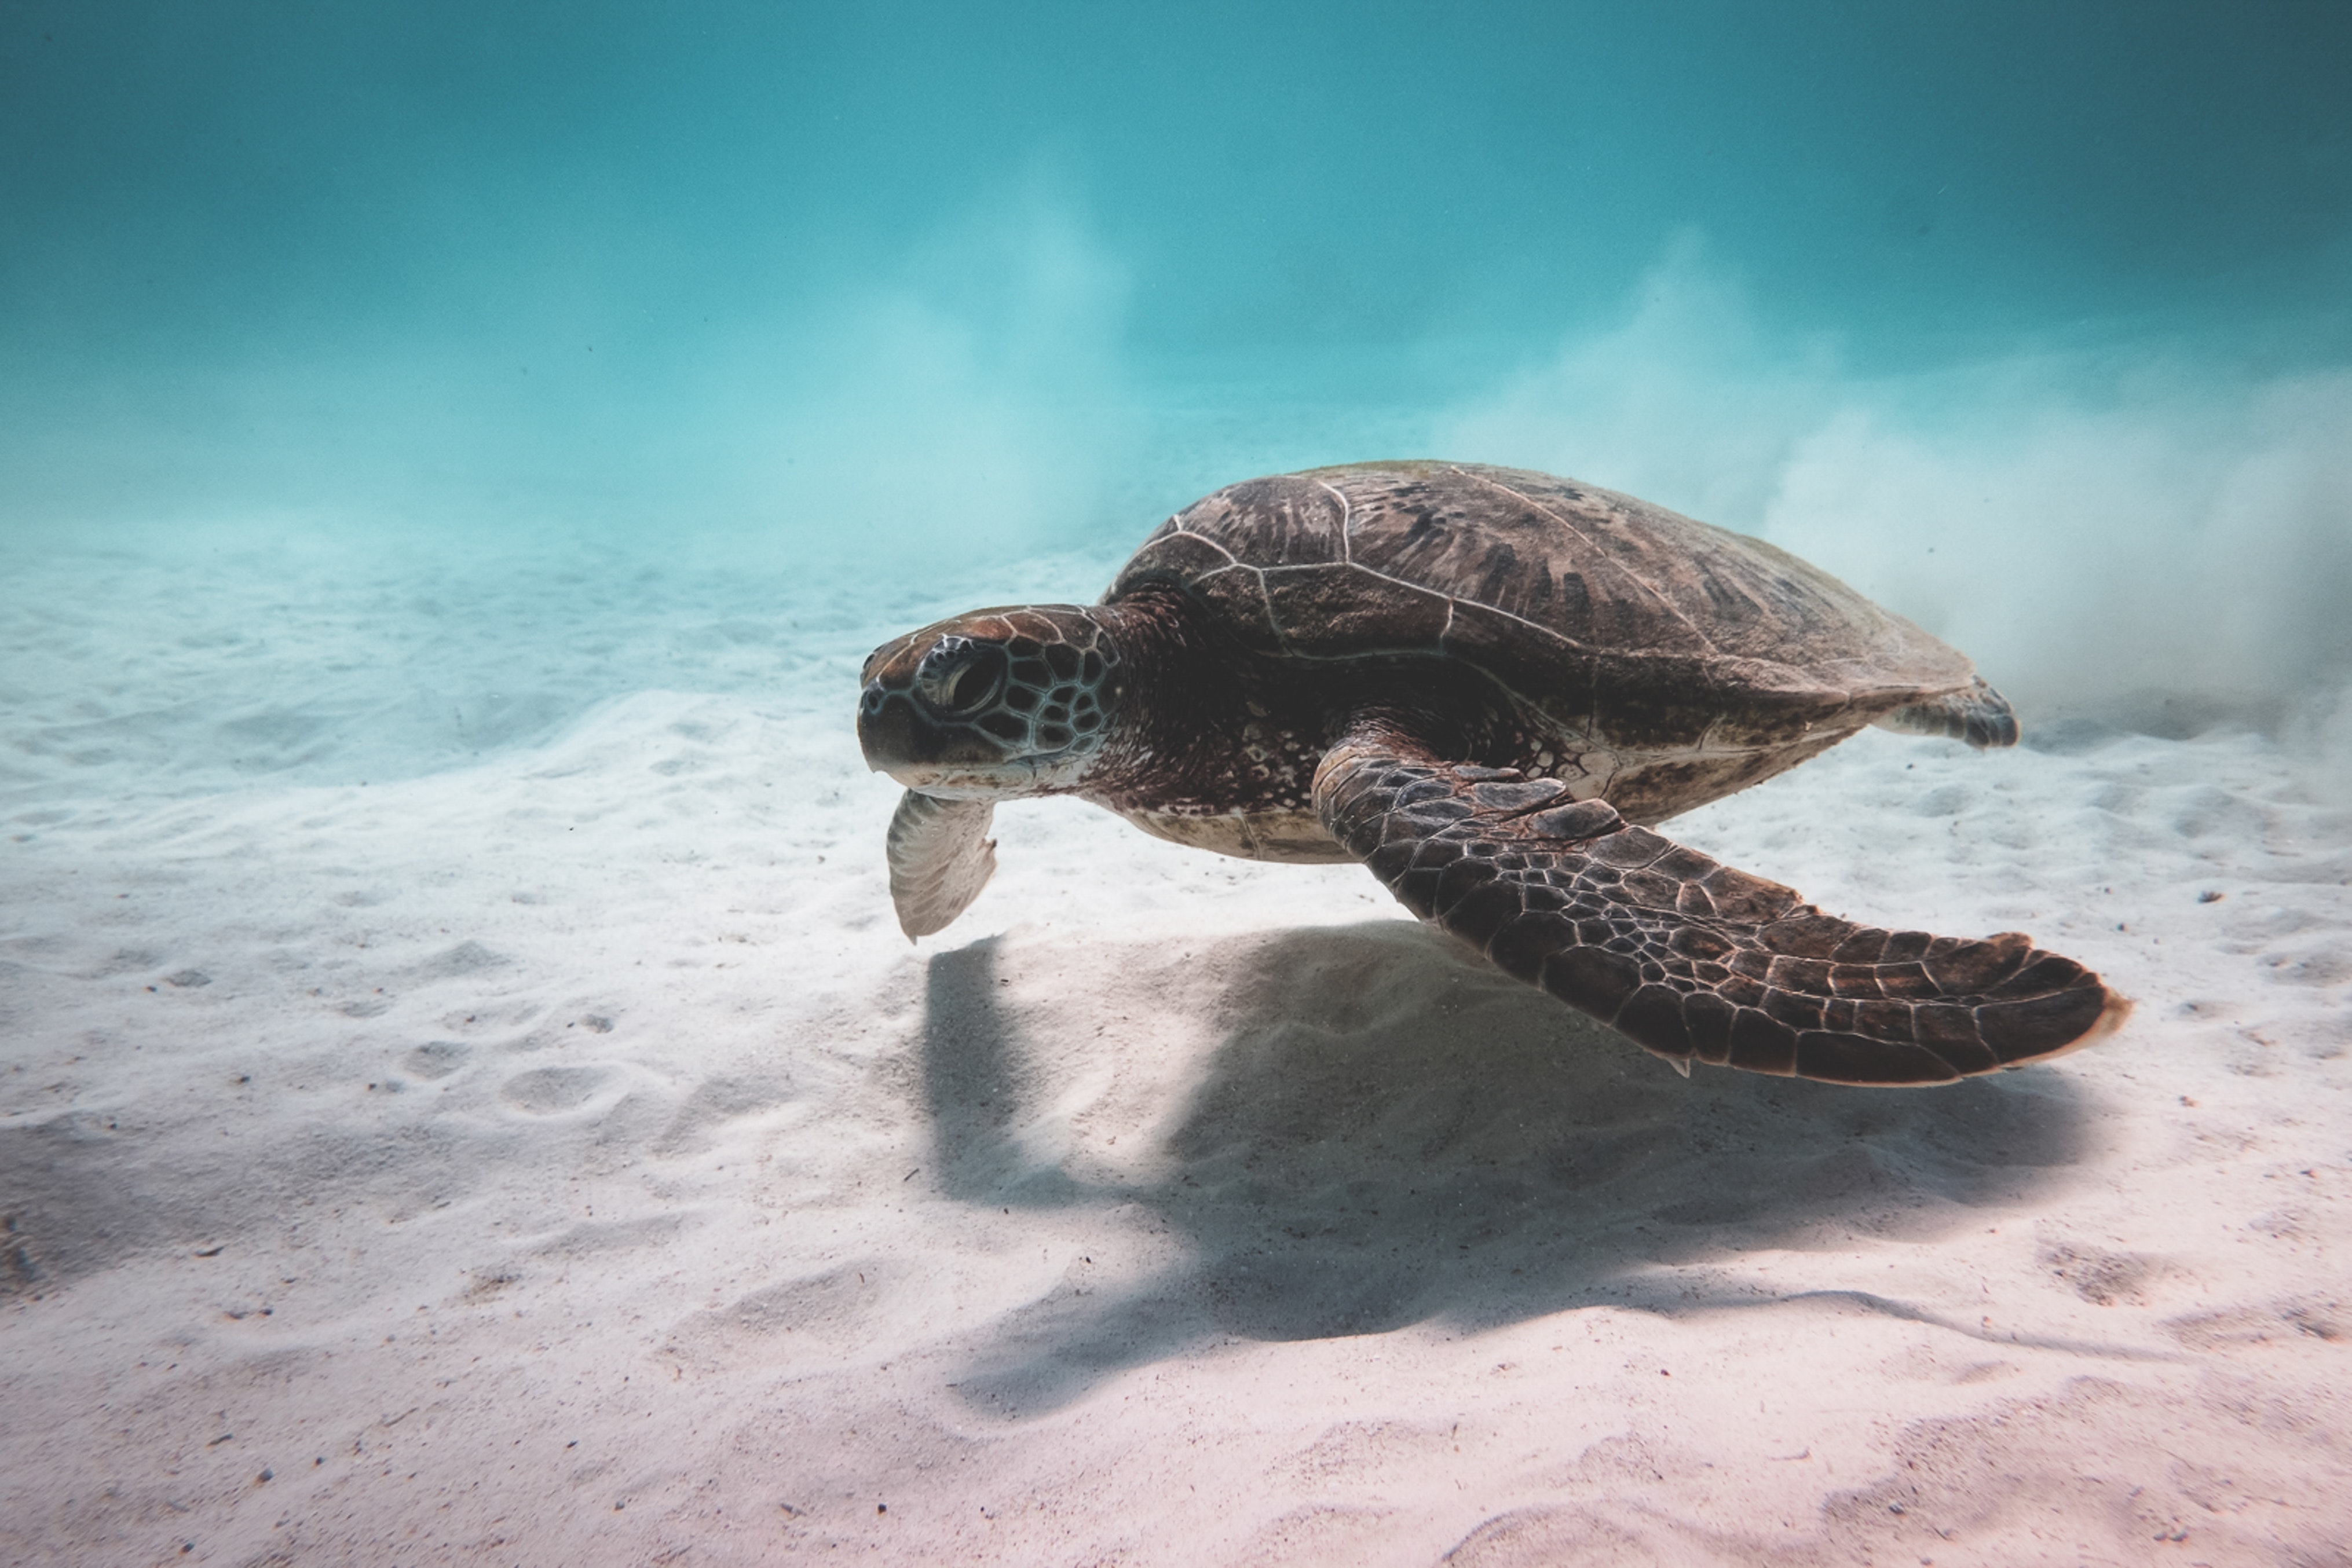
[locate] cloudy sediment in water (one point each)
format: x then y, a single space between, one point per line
1008 278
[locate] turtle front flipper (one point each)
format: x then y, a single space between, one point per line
941 857
1691 958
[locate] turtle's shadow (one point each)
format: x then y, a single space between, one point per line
1388 1134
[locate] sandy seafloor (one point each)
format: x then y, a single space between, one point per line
465 1100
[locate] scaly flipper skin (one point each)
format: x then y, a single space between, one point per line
941 857
1979 715
1693 959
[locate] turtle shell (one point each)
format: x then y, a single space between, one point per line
1615 617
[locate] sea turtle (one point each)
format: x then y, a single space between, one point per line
1486 684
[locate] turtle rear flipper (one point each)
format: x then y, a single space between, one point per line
1690 958
941 857
1979 715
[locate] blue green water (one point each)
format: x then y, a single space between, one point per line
919 285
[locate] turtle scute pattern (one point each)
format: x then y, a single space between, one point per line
1692 958
1054 669
1050 688
1550 578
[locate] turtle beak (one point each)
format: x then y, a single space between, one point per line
915 747
886 729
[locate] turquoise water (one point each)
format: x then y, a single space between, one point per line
463 1086
2056 296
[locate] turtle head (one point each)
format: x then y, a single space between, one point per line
992 704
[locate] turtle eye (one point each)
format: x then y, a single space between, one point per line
959 677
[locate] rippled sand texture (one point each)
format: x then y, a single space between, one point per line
547 1150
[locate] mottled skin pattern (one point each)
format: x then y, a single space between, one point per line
1483 684
1690 958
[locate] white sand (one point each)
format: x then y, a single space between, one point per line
549 1151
